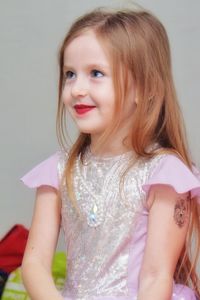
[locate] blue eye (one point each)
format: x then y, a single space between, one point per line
96 73
69 75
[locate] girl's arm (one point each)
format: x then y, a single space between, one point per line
41 245
167 230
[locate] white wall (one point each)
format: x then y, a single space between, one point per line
30 35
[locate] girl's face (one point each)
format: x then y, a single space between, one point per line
88 91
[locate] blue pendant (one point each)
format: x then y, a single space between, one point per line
92 214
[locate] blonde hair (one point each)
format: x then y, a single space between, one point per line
136 41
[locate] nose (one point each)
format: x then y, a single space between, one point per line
79 87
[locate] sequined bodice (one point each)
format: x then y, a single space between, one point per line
100 242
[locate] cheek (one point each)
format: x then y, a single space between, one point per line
65 97
107 97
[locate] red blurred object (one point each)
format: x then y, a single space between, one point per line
12 248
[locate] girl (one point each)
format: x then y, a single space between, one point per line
126 191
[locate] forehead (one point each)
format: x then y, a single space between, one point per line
86 46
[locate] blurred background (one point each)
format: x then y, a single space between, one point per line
30 35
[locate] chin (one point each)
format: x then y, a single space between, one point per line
89 130
91 127
86 131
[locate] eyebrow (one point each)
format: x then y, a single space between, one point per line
89 66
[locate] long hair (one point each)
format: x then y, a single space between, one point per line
137 44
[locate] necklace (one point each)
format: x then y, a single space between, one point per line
95 204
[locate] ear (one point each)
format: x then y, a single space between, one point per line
136 98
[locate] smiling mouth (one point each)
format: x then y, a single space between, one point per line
82 108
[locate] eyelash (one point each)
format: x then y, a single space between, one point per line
97 71
66 74
69 74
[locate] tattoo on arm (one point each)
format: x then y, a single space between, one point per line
181 211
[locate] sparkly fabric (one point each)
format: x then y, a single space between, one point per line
98 256
105 246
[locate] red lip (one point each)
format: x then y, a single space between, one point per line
83 108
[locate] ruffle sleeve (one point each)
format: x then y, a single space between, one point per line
173 172
45 173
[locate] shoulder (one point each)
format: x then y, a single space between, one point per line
169 169
46 172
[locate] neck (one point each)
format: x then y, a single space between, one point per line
114 146
117 143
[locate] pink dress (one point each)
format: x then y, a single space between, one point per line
105 246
